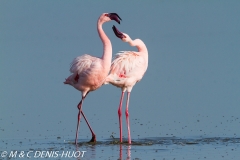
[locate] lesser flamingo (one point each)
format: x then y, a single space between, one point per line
88 72
127 69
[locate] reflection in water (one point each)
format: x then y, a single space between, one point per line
128 152
120 152
76 151
146 148
91 151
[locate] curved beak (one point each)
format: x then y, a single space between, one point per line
118 33
115 17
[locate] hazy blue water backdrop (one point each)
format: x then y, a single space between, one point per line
191 90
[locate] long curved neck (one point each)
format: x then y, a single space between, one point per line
107 46
142 49
139 44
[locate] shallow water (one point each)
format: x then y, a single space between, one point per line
165 148
191 87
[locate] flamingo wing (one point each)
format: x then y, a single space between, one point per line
81 63
126 63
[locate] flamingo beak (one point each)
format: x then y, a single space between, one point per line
118 33
115 17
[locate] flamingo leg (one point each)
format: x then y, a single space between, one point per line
79 117
127 118
120 116
93 134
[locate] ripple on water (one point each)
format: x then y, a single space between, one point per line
168 147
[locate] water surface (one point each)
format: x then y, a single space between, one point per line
165 148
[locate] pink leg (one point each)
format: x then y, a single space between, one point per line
120 116
79 117
93 135
127 118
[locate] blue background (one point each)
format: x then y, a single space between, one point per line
191 87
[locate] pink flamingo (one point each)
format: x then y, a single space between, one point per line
127 69
88 72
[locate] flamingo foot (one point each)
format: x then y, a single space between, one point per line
93 138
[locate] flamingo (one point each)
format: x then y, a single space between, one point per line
127 69
88 72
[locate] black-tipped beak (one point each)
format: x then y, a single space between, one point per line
118 33
115 17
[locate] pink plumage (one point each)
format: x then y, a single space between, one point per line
88 72
128 68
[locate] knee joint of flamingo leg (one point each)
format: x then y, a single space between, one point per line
119 112
126 113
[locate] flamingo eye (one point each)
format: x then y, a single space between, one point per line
106 15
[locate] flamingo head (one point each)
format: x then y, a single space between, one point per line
110 16
123 36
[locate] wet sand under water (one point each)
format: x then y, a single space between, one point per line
158 148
